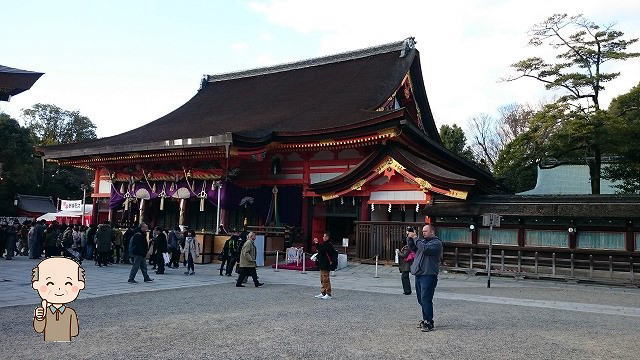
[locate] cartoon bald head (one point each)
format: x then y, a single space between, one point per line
58 280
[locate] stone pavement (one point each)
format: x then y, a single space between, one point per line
15 286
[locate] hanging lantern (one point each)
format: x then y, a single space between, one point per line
161 203
389 209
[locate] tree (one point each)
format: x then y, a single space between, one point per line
17 173
490 135
582 47
624 113
454 139
51 125
517 162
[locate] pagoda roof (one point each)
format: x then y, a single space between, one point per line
14 81
311 96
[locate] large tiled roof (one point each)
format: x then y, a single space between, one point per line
310 95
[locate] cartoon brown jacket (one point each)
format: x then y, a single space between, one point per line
58 281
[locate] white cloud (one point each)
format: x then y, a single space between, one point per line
240 46
265 36
466 47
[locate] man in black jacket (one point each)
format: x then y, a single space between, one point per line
327 260
139 248
126 238
229 252
160 247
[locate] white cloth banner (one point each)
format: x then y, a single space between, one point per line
71 205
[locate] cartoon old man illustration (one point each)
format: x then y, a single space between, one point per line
58 281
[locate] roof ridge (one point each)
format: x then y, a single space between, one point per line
403 45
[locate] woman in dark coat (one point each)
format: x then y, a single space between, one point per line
405 259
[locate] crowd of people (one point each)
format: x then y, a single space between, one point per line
106 245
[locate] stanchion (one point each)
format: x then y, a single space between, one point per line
376 275
277 253
304 263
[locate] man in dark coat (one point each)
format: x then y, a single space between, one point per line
159 248
104 238
126 238
327 261
91 242
229 252
173 245
138 248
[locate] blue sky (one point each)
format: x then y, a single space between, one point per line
125 63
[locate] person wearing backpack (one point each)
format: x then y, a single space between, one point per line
327 260
405 259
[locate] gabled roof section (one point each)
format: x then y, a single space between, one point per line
35 204
313 95
14 81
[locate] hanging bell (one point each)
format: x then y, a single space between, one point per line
201 204
161 203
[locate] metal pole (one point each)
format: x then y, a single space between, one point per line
277 253
376 275
304 263
489 260
84 201
218 212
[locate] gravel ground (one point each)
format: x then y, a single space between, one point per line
286 322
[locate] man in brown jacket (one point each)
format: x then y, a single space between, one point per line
248 261
58 281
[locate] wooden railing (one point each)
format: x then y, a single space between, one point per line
382 238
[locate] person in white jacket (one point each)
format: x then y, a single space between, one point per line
191 250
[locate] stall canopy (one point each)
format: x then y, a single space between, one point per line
69 217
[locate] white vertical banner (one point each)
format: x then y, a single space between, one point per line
259 242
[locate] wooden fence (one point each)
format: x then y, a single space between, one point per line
382 238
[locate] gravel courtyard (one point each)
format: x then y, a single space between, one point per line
286 322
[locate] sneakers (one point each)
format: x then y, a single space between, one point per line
148 280
192 273
186 273
239 285
426 326
131 281
326 297
319 296
259 284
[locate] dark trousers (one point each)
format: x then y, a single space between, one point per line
425 287
231 263
175 257
160 263
224 261
138 263
190 266
50 251
125 254
117 248
245 272
406 282
103 257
